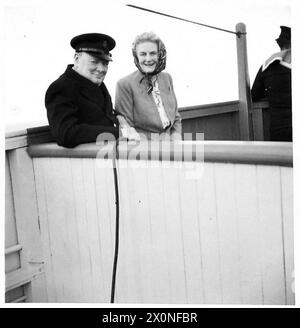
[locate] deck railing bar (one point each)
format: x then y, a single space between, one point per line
19 300
21 277
13 249
247 152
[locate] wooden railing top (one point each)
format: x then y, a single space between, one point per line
23 137
244 152
209 109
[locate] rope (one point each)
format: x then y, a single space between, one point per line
114 272
238 34
115 156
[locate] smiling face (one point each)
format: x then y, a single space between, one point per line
147 53
90 67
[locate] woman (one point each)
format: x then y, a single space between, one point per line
146 98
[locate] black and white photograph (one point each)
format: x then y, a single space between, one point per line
150 149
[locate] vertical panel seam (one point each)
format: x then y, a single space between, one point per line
200 244
150 224
113 202
165 225
87 225
237 231
48 226
182 239
77 236
260 238
98 229
37 206
136 250
149 207
282 235
218 233
12 190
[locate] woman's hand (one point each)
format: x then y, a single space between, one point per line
129 133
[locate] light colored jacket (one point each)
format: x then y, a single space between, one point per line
139 108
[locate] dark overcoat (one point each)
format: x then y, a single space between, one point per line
79 110
274 84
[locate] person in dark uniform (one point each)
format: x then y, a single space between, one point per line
79 106
273 83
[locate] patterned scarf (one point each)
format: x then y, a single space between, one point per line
160 66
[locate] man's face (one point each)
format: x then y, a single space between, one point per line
92 68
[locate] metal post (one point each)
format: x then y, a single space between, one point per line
244 84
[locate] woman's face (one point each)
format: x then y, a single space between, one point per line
147 53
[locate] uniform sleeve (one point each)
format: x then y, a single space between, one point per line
176 128
124 101
62 112
258 91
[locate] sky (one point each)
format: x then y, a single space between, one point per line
202 61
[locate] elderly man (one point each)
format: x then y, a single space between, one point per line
79 107
273 82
